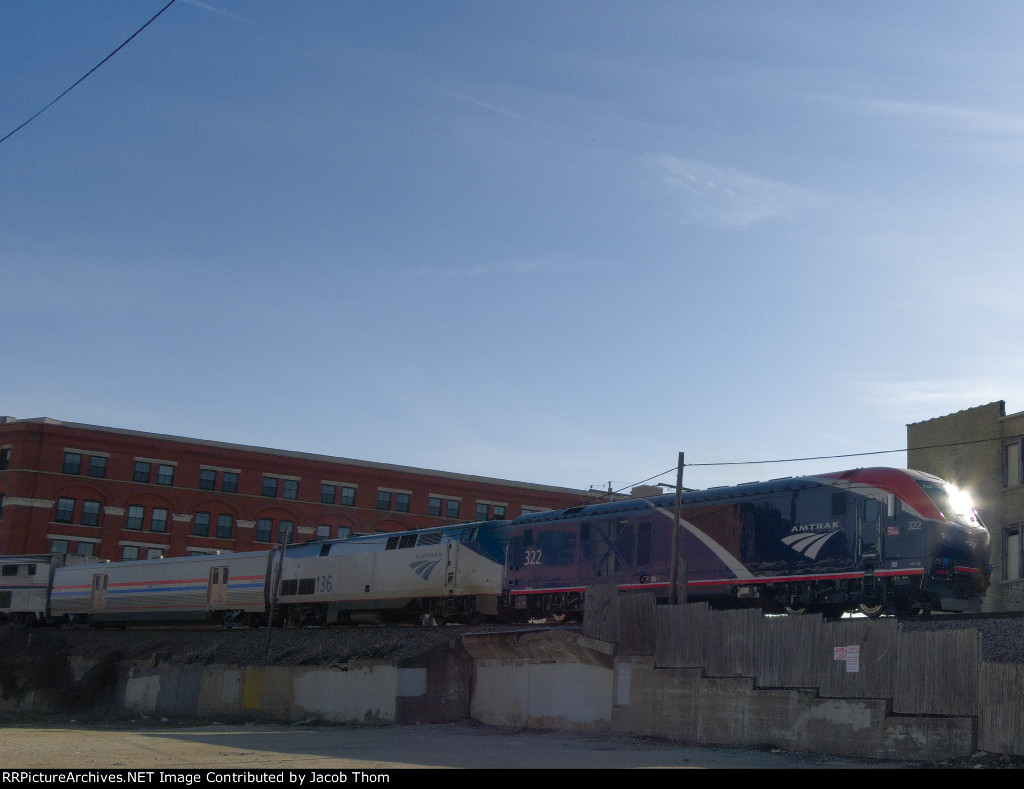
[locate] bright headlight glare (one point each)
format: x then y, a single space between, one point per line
961 502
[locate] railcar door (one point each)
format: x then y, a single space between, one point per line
98 594
452 566
869 531
217 588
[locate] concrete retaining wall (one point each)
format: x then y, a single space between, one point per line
562 679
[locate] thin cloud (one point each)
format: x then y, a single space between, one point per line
973 119
546 264
214 10
727 197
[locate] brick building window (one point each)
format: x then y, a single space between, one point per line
229 482
224 524
142 471
165 475
499 512
383 499
97 466
207 479
323 531
434 506
90 513
481 511
452 509
58 546
65 511
72 463
85 548
1012 465
1012 554
158 520
264 529
201 524
328 493
270 486
290 489
136 515
286 532
348 496
402 502
5 458
129 553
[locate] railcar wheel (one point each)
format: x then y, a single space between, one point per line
871 611
795 610
557 618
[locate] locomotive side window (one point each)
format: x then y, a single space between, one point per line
5 599
555 548
872 510
289 587
307 586
10 569
392 543
643 545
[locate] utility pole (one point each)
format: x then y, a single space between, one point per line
678 554
284 537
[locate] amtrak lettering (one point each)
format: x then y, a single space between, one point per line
817 528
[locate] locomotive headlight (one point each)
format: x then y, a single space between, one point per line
962 504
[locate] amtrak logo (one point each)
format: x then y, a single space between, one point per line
424 568
808 544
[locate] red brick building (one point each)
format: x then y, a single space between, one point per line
123 494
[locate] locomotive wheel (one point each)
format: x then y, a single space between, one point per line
795 610
557 618
871 611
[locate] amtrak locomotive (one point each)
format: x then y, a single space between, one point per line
876 540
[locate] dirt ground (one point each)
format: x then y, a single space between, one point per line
167 745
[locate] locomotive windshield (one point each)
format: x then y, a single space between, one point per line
954 504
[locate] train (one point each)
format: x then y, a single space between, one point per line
874 541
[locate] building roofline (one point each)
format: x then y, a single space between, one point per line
1000 403
369 464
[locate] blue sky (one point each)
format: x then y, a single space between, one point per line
556 242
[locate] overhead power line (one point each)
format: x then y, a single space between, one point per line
817 457
83 77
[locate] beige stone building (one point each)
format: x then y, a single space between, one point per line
980 449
